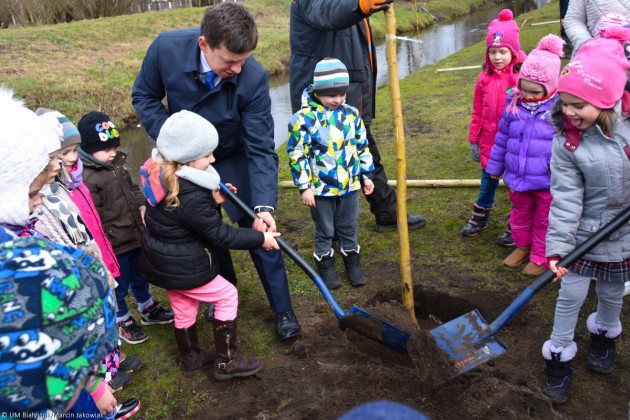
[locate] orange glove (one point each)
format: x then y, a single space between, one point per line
370 7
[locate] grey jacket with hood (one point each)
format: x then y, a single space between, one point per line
590 185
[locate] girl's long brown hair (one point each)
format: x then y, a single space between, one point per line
605 121
170 181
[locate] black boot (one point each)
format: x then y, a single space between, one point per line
505 239
601 355
229 362
352 262
193 358
477 222
558 375
287 325
414 221
326 268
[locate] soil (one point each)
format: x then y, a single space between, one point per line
328 370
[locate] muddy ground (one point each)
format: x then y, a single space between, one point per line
327 371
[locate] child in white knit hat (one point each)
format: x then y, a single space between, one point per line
24 159
184 227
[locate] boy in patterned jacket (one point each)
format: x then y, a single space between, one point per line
330 161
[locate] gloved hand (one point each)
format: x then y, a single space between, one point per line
474 151
370 7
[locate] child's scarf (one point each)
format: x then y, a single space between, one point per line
71 180
528 104
151 176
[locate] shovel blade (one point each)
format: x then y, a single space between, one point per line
467 342
376 328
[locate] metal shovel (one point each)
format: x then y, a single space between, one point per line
469 341
356 319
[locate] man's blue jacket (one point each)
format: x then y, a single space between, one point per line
239 108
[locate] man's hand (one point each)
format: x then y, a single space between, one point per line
369 7
264 222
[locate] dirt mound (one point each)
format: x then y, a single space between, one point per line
329 370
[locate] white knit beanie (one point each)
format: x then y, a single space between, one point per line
186 136
23 156
53 119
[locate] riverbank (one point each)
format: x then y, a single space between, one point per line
91 64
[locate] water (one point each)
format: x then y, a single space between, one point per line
438 42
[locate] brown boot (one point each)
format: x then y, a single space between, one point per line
229 362
193 358
533 269
516 258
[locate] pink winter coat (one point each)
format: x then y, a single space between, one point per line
82 198
488 104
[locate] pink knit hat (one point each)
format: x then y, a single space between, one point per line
503 32
542 65
597 72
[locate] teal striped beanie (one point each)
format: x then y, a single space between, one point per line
68 132
330 77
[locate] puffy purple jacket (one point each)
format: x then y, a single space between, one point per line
522 147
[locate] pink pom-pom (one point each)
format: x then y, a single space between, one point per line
506 14
552 43
619 33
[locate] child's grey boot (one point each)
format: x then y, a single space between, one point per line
352 263
601 354
326 268
478 221
559 370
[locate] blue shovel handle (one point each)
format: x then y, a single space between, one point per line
292 253
548 276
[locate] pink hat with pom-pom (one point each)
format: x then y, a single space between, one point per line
542 65
504 32
597 72
607 20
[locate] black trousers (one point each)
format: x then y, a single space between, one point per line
383 199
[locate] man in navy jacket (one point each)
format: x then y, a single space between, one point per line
211 71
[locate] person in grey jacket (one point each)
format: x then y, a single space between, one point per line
581 19
341 29
590 185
